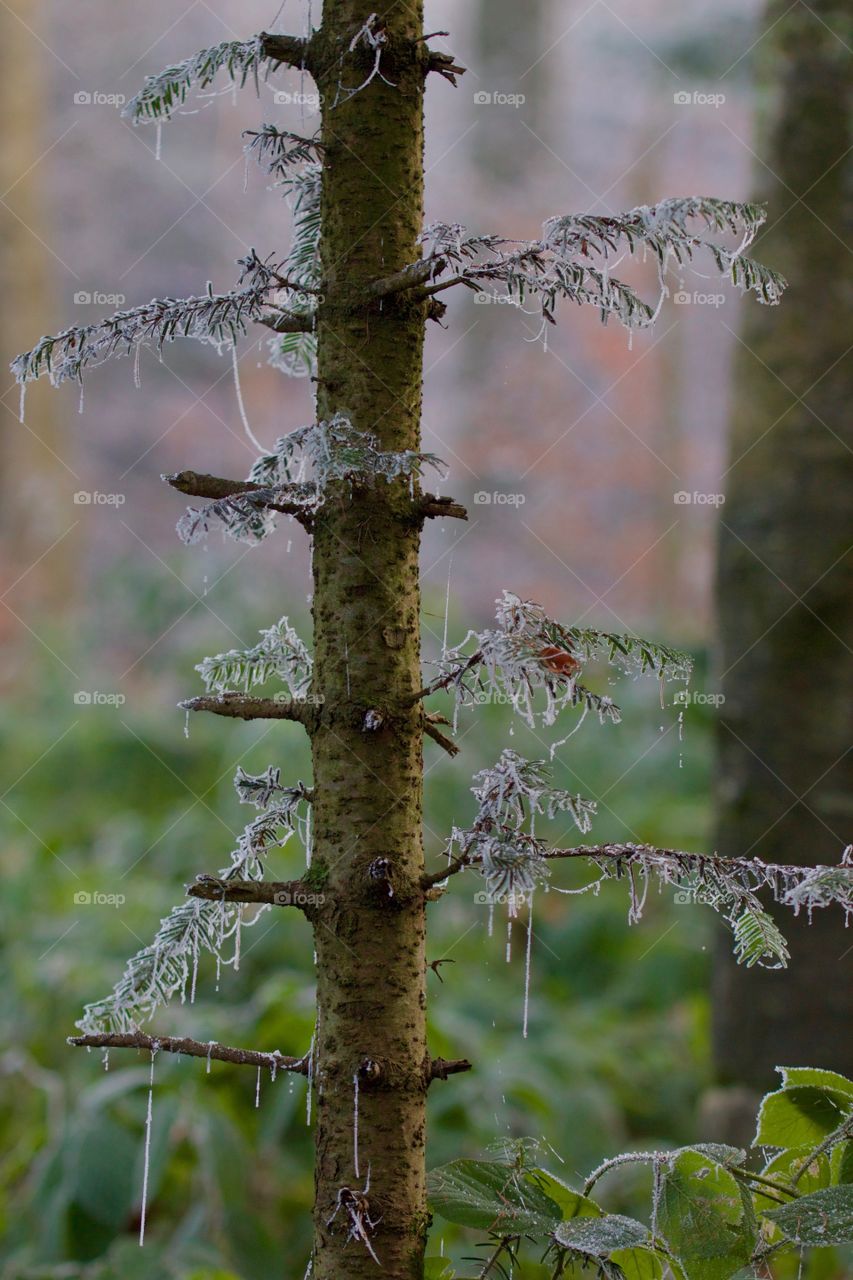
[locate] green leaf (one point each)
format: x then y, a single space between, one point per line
705 1217
571 1203
786 1165
601 1237
801 1116
642 1263
823 1218
438 1269
491 1196
816 1076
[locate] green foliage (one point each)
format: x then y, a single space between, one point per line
712 1215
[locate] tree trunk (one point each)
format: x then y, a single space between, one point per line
785 585
368 783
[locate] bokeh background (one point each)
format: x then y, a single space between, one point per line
589 437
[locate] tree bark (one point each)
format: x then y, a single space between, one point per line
368 850
785 586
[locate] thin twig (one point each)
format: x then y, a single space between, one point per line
192 1049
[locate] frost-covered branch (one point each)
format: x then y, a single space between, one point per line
513 862
573 259
239 505
170 963
217 318
240 60
280 654
530 653
330 452
207 1049
276 150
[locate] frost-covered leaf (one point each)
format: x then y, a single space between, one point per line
801 1116
492 1196
599 1237
704 1216
758 940
572 1204
823 1218
816 1076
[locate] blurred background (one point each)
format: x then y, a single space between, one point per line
594 470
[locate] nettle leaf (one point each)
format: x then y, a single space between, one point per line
801 1116
571 1203
787 1165
705 1217
597 1239
816 1076
823 1218
492 1197
644 1263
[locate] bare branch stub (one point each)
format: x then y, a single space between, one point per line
241 706
211 1049
445 64
442 1068
276 893
432 731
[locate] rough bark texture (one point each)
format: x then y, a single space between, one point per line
785 570
370 930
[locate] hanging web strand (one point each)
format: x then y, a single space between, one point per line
147 1158
240 405
527 956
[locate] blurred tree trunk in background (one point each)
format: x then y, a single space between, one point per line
785 584
35 489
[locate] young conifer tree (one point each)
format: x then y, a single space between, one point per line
350 301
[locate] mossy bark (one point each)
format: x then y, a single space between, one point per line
785 572
368 847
